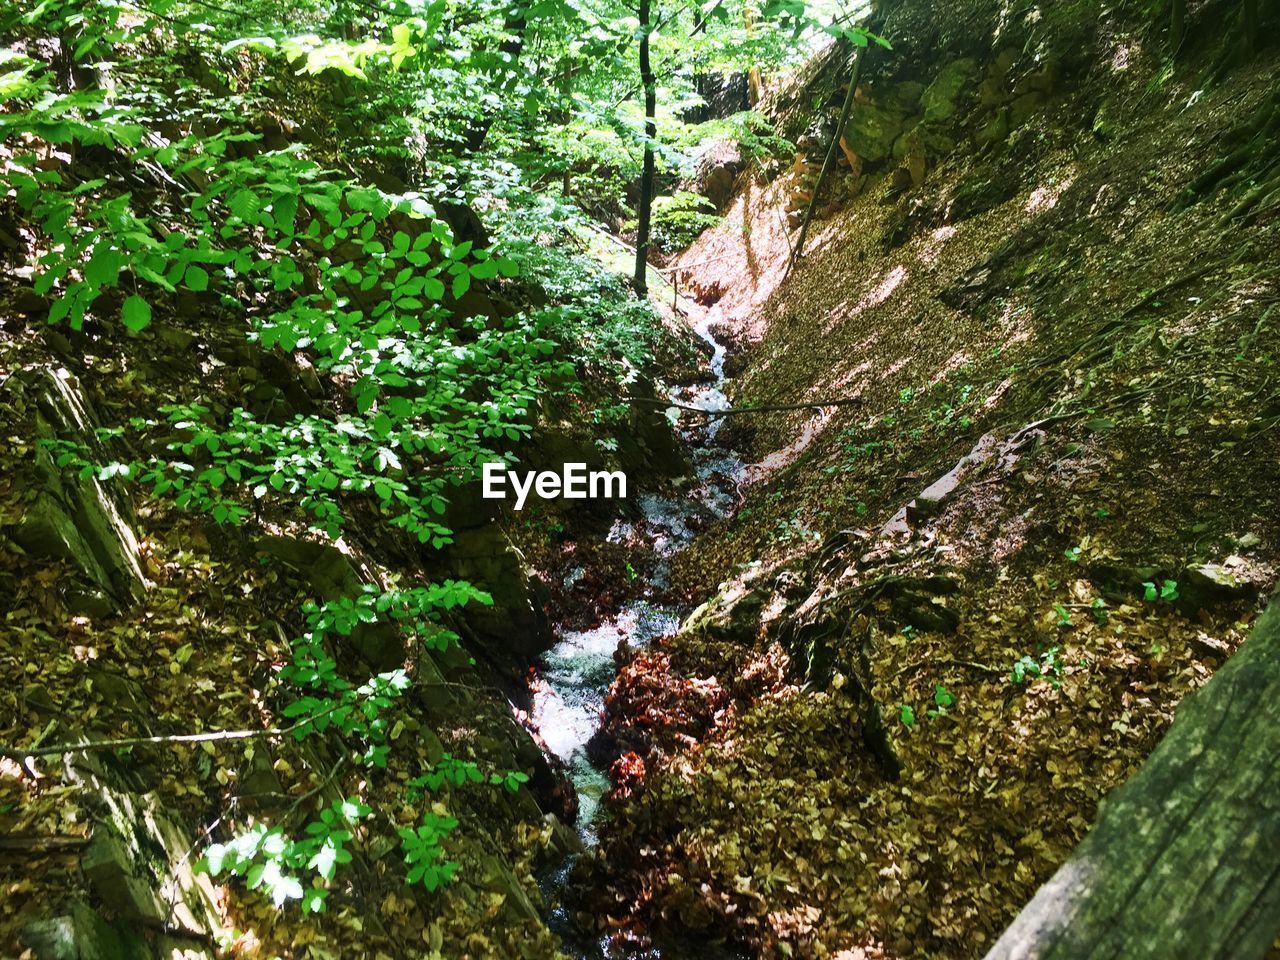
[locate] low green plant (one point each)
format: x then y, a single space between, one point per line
1167 590
423 851
458 772
267 857
943 700
680 219
1048 666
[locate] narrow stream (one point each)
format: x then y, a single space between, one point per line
569 700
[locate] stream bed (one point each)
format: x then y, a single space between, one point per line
568 700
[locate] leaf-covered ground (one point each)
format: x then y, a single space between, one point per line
1108 369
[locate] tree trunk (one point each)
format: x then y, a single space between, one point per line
511 48
1184 861
1177 25
640 282
828 162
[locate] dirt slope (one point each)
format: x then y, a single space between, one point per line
1048 521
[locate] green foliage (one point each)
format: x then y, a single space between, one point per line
943 700
1027 669
424 853
266 857
678 220
1168 590
752 133
591 310
456 772
191 211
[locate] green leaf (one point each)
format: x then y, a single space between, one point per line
103 268
197 278
136 313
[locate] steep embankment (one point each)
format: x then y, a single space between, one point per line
955 615
226 567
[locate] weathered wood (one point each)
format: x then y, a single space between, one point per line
1184 862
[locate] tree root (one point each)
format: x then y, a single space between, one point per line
1259 133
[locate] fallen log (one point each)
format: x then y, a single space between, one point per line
1184 861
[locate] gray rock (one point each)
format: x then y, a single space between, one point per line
108 865
903 97
716 172
333 575
1248 541
1207 584
732 614
515 628
83 935
80 521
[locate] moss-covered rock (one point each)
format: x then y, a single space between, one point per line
940 98
872 130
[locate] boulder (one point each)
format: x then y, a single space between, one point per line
924 612
648 444
872 130
982 191
732 614
333 575
139 861
515 629
723 94
80 934
939 99
80 520
1206 584
1022 109
716 172
903 97
996 130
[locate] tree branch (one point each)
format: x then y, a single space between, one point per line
94 746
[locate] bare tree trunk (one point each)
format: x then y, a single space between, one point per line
1184 862
640 281
861 54
1177 25
566 100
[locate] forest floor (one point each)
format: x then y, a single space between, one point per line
1096 376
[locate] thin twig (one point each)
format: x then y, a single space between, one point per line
213 737
949 662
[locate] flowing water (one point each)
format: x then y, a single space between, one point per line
568 702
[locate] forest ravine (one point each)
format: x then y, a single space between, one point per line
937 348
